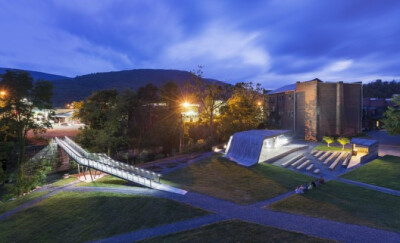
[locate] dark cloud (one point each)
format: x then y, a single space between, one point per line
273 42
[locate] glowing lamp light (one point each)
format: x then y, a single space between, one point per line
259 103
3 93
186 104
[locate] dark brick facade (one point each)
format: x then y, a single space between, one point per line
319 109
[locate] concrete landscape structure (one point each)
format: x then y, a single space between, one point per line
248 148
365 149
314 109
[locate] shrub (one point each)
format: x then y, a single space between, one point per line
343 141
328 140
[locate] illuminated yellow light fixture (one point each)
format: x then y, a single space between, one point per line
259 103
186 104
3 93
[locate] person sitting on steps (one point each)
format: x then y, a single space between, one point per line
306 187
313 183
301 189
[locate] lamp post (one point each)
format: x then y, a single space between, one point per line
3 94
260 105
182 133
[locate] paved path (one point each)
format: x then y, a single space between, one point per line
272 200
299 223
203 156
164 229
30 203
369 186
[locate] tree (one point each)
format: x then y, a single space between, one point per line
210 96
21 97
106 115
392 117
77 105
243 111
328 140
343 141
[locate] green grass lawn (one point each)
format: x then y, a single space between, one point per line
322 147
384 172
9 205
236 231
221 178
106 181
64 182
81 217
347 203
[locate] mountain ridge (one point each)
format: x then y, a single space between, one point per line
67 89
36 74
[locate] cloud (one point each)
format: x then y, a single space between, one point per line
339 66
272 42
219 47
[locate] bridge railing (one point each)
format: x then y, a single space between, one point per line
103 158
107 168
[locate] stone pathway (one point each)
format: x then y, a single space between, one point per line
369 186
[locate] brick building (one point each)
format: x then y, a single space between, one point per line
314 109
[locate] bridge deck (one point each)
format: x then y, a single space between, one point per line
107 165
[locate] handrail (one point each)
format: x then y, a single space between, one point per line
104 158
113 167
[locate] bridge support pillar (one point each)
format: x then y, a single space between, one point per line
90 171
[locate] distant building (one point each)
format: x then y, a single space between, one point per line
373 112
56 116
314 109
65 117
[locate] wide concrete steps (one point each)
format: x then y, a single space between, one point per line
291 161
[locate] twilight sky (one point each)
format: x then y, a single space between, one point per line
272 42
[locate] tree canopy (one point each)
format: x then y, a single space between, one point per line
106 115
243 111
19 98
381 89
392 117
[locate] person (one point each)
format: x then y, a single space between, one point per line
306 187
297 190
321 180
310 186
313 183
301 189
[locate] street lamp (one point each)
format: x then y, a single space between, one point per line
3 93
182 135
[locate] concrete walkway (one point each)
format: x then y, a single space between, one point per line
164 229
203 156
228 210
272 200
369 186
298 223
30 203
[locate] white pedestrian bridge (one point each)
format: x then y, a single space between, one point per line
103 163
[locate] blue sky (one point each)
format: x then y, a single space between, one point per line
271 42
